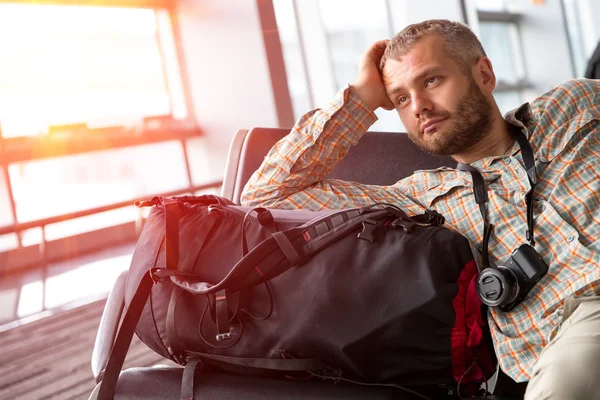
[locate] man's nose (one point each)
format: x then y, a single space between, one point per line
421 104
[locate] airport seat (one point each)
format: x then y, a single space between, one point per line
379 158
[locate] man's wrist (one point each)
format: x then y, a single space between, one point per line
366 97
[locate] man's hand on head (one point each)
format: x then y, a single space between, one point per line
368 84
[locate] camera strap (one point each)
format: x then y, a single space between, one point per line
481 196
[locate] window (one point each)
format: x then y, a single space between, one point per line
571 9
67 73
528 44
293 56
349 30
491 5
69 65
500 37
323 42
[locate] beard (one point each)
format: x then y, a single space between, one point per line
472 121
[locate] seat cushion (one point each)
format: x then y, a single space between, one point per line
165 383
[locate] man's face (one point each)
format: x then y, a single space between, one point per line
443 110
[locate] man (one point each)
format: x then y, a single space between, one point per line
438 78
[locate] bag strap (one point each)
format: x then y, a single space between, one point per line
188 378
265 219
276 364
272 256
172 236
140 297
123 340
195 363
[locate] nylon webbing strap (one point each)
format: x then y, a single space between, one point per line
278 364
287 248
481 198
222 315
186 266
172 234
187 380
123 340
188 262
265 219
529 160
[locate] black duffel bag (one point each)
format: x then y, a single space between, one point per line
369 295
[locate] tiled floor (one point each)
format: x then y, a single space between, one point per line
50 358
47 354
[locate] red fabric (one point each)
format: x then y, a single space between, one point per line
467 334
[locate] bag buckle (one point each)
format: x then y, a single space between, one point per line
155 274
224 336
224 330
435 217
368 227
406 226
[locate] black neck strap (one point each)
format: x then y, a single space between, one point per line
481 196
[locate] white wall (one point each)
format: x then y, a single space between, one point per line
228 74
406 12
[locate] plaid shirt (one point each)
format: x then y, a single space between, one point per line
564 130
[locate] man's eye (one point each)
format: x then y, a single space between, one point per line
431 81
402 99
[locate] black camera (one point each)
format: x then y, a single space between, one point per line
506 285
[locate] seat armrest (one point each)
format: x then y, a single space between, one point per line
233 164
109 324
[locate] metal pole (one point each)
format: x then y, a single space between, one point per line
44 260
11 199
569 38
187 164
165 67
309 89
463 10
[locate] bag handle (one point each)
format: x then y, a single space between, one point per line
265 218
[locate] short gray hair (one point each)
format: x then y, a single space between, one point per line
460 43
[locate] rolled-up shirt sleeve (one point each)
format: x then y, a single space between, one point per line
293 174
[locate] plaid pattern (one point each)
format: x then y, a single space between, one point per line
564 130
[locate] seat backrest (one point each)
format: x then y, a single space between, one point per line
379 158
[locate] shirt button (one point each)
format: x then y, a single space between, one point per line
543 208
508 160
570 238
353 113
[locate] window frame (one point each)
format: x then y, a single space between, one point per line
77 138
511 19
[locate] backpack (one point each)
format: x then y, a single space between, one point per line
369 295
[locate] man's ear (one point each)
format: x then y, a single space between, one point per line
484 75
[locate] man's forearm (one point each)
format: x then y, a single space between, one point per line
318 141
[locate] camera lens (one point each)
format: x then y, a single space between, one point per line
497 286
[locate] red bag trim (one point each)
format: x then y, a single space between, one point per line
467 334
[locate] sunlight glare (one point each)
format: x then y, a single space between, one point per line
89 280
69 64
